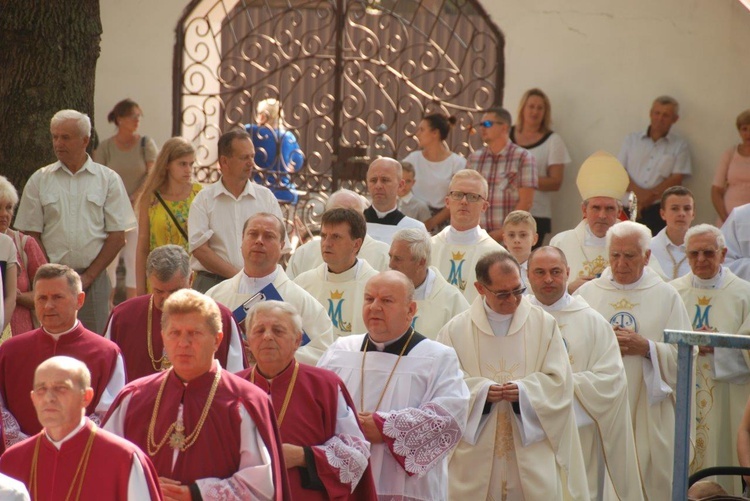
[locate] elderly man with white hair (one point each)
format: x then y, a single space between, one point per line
308 256
639 306
78 211
437 301
718 301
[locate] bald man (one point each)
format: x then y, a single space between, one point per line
384 179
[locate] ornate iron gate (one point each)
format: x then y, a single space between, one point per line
344 71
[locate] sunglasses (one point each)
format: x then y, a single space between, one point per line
506 294
470 197
488 123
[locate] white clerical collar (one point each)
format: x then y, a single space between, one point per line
67 437
626 287
406 198
381 215
466 237
253 285
384 345
345 276
714 282
591 240
499 323
558 305
423 291
60 334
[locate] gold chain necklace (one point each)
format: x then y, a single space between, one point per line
288 397
388 381
81 470
163 363
675 264
176 431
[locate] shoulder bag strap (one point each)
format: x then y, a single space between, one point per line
171 215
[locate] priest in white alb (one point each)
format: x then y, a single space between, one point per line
457 248
717 301
602 182
639 306
437 301
262 278
521 440
408 389
601 387
736 231
308 256
338 283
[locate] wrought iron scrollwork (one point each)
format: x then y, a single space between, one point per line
344 71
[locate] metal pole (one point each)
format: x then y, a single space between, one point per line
682 422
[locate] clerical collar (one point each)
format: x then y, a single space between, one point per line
423 291
407 198
499 323
60 334
591 240
252 285
394 346
558 305
714 282
381 215
345 276
67 437
626 287
466 237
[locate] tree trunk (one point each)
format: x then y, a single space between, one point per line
48 53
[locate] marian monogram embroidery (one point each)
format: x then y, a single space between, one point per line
593 268
456 275
700 320
335 302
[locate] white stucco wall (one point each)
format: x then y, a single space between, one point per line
602 62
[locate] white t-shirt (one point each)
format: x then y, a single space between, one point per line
551 152
431 179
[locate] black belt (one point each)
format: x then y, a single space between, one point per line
212 276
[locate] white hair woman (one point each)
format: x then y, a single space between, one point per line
28 256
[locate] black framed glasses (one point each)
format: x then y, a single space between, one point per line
470 197
488 123
506 294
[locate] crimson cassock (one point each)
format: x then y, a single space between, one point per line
218 461
106 474
127 327
20 356
321 418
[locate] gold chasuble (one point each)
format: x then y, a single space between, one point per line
498 459
722 384
647 307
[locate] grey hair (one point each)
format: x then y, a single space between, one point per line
669 100
167 261
8 191
83 122
50 271
78 371
502 114
288 310
628 229
418 241
702 229
336 199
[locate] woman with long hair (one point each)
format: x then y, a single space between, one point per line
131 155
434 165
532 132
164 203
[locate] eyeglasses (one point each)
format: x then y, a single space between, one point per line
470 197
488 123
506 294
707 253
